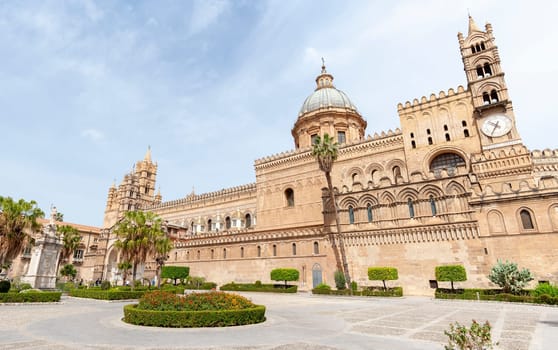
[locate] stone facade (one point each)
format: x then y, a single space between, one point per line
453 185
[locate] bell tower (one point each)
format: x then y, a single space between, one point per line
493 111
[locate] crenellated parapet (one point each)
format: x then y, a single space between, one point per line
545 162
502 162
433 101
221 195
383 141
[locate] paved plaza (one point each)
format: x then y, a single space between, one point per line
301 321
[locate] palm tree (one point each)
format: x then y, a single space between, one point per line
162 247
138 235
124 267
326 150
71 241
17 221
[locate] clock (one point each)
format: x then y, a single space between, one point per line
496 125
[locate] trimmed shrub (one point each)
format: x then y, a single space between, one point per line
113 294
249 287
30 296
368 292
5 286
215 309
508 276
451 273
340 282
545 289
322 288
382 274
494 295
175 272
105 285
284 274
354 286
183 319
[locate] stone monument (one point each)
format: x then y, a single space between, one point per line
45 255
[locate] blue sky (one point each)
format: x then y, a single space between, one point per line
86 86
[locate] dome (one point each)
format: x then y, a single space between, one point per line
326 97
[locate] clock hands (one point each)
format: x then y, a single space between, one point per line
496 126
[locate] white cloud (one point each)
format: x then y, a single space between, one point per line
205 13
93 135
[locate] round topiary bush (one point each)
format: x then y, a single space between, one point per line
5 286
214 309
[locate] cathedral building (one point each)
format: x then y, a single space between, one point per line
453 185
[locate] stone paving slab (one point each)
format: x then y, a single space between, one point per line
300 321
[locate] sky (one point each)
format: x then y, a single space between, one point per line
211 86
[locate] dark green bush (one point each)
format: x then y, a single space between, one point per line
451 273
354 286
30 297
5 286
340 282
284 274
220 318
175 272
249 287
371 291
494 295
382 274
106 294
545 289
105 285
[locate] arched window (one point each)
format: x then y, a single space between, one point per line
473 50
526 219
463 123
482 45
478 47
316 248
341 138
493 96
351 215
354 177
433 206
224 253
466 133
413 144
259 251
448 137
175 256
228 222
274 250
374 176
480 72
369 212
289 197
192 228
248 221
411 208
447 161
487 70
209 225
242 252
485 98
429 140
294 248
396 172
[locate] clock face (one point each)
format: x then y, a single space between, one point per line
496 125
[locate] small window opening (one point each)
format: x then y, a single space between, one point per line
242 252
289 196
482 46
463 123
429 140
427 131
274 250
351 215
228 222
411 208
369 212
480 72
413 144
448 137
466 133
341 138
412 135
294 248
433 206
493 96
248 220
526 220
487 69
473 50
445 128
485 98
212 253
224 253
316 248
199 255
259 251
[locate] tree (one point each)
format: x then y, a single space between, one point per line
59 217
124 268
17 221
68 271
326 150
71 241
451 273
162 247
382 274
175 272
139 234
508 276
285 274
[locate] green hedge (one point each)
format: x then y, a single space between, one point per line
370 292
30 297
181 319
252 287
494 295
106 294
203 286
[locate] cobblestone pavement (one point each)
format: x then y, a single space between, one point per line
301 321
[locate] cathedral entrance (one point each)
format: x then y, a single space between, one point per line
316 275
111 266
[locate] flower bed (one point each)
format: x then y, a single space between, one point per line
30 297
253 287
370 292
215 309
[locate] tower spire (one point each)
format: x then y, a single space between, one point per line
473 26
148 154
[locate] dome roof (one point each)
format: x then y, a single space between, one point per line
326 97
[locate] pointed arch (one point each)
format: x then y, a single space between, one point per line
367 199
407 193
454 187
430 190
387 198
348 201
496 222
